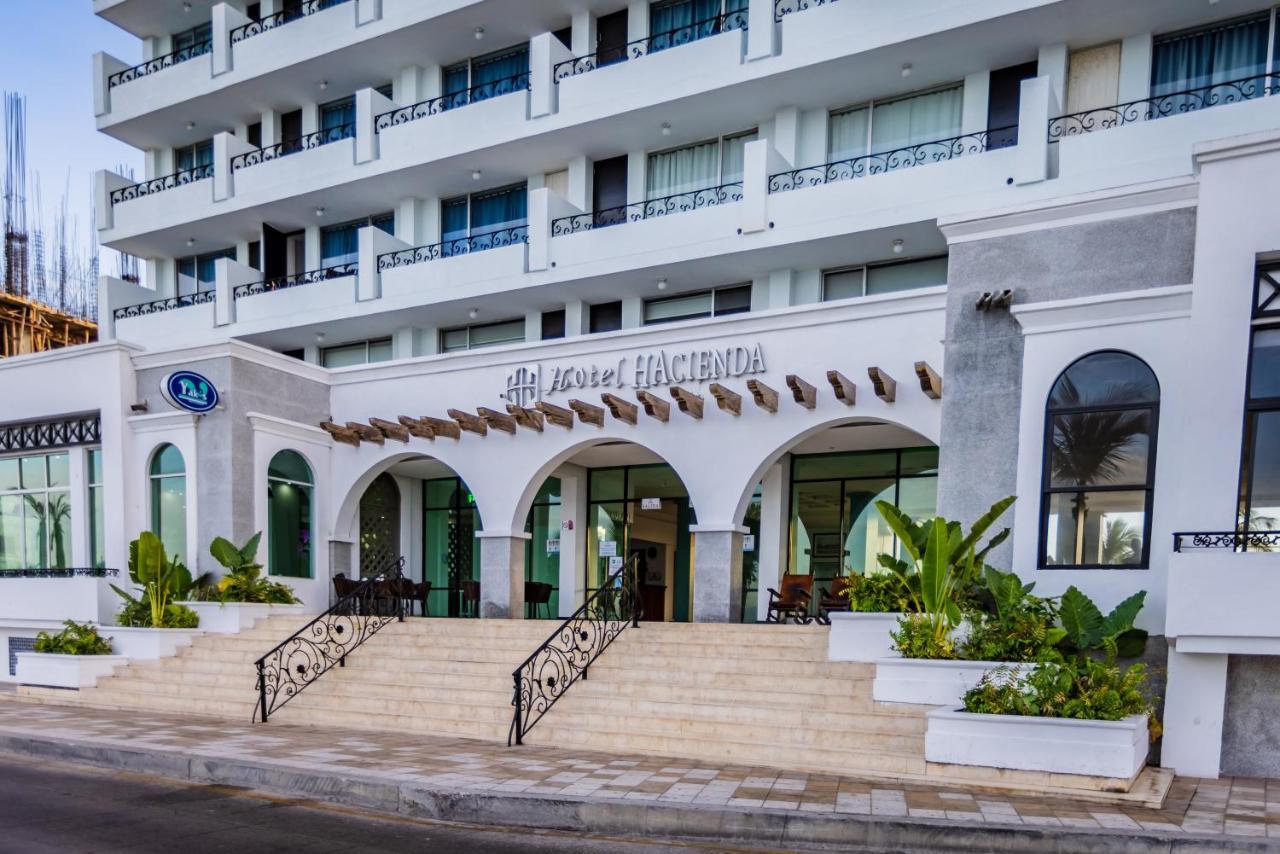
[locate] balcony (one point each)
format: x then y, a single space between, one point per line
514 236
159 185
640 211
159 63
310 277
687 34
279 19
54 595
306 142
1222 590
451 101
782 8
159 306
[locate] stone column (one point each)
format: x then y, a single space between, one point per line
717 573
502 574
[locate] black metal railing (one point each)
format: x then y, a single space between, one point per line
453 100
279 19
677 203
1160 106
284 148
512 236
564 657
935 151
782 8
310 277
159 63
1239 541
325 642
686 34
69 572
142 309
164 182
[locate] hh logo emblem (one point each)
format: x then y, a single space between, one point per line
524 386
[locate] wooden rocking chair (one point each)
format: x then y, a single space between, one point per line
793 602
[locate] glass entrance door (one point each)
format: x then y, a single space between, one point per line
451 561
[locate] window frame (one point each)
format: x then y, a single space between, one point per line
866 268
870 106
45 492
1264 318
713 313
310 488
472 326
368 343
154 479
719 142
229 252
468 198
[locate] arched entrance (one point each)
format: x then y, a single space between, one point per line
379 524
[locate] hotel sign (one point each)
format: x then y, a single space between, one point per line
190 391
528 384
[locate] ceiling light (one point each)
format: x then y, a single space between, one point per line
906 69
186 7
191 241
662 284
474 313
319 337
324 84
897 246
475 174
666 129
319 211
479 33
191 125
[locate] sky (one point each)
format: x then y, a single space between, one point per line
48 57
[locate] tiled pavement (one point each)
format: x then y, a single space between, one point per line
1224 808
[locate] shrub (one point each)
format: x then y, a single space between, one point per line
160 580
916 638
74 639
243 581
137 614
1016 626
883 593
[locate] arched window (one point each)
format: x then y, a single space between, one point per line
290 496
1099 463
169 500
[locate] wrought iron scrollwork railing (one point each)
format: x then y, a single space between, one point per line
566 655
159 63
164 182
310 277
1239 541
76 572
270 22
512 236
453 100
686 34
325 642
306 142
935 151
782 8
677 203
1160 106
142 309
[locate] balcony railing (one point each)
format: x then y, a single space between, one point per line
165 182
78 572
310 277
1160 106
936 151
782 8
453 100
1236 541
159 63
284 148
143 309
676 203
279 19
512 236
687 34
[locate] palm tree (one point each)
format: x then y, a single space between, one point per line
1121 543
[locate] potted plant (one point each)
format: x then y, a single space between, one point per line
877 601
75 657
242 595
152 624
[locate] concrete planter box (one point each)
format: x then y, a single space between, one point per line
1113 749
148 644
54 670
861 636
932 682
229 618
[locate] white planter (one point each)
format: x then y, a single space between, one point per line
229 618
1114 749
861 637
931 682
54 670
148 644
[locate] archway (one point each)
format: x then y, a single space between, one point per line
379 525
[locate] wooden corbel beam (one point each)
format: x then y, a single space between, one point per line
846 391
765 397
885 387
529 419
623 410
443 427
391 429
588 413
497 420
804 394
930 380
728 401
690 404
341 434
417 427
557 415
469 422
367 432
654 406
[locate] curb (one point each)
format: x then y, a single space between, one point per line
620 818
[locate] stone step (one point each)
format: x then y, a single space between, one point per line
767 717
130 700
823 695
375 708
297 713
744 663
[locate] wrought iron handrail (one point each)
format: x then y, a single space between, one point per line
164 182
68 572
565 656
686 34
496 239
325 642
159 63
635 212
1161 106
1241 541
167 304
782 8
308 277
285 147
441 103
877 163
270 22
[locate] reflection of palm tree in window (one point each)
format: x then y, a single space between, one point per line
1121 543
1257 521
51 516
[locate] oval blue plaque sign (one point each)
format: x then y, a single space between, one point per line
190 391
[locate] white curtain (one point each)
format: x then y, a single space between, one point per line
911 121
731 158
847 134
682 170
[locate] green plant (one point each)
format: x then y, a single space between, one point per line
1087 630
161 581
1016 625
916 637
74 639
243 581
881 593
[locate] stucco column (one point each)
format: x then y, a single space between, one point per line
717 573
1194 706
502 574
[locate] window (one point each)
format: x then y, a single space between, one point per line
883 126
198 157
196 273
884 278
35 512
195 41
542 549
606 317
356 353
484 220
677 22
713 303
97 514
289 511
1099 463
482 335
1197 59
450 553
338 120
553 324
169 500
1260 461
484 77
702 166
340 244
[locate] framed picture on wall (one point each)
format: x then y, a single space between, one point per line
825 547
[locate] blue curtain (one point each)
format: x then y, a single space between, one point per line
337 120
453 226
1233 51
499 75
195 156
673 23
340 244
503 209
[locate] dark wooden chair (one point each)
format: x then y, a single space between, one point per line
792 602
470 598
419 593
537 594
832 598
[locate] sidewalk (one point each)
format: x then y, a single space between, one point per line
482 783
